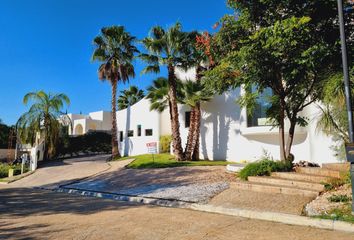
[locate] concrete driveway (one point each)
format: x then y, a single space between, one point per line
40 214
53 174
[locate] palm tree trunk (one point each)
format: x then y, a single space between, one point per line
189 146
195 144
115 150
176 137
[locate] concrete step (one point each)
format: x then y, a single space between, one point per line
286 182
301 177
319 171
342 167
259 187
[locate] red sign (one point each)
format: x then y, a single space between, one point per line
151 144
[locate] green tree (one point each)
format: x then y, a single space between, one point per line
167 48
333 120
129 97
42 117
115 49
284 46
157 93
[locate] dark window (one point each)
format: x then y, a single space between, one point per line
187 119
259 115
148 132
139 130
121 136
131 133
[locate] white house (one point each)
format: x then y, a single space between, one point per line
227 133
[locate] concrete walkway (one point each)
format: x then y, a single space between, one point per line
53 174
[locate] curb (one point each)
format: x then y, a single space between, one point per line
277 217
236 212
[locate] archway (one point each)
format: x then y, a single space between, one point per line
79 130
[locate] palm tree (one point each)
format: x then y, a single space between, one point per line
129 97
42 117
167 48
115 49
194 93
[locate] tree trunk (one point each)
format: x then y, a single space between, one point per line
115 150
195 144
281 130
189 146
176 138
290 140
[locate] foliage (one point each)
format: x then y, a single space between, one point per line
165 143
333 120
129 97
282 45
264 167
343 213
166 160
91 142
42 118
4 169
334 183
339 198
4 135
115 49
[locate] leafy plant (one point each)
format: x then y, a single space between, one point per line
4 169
264 167
339 198
165 143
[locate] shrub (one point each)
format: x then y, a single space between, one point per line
339 198
91 142
4 169
264 167
165 143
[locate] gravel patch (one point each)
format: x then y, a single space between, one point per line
321 205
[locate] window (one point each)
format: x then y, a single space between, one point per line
121 136
148 132
187 119
139 130
131 133
259 115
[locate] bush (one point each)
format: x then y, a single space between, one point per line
264 167
91 142
165 143
4 169
339 198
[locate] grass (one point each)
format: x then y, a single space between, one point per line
165 160
341 214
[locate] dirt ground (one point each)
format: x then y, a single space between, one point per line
39 214
232 197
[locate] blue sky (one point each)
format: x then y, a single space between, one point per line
47 45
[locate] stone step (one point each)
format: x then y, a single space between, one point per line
319 171
301 177
342 167
286 182
259 187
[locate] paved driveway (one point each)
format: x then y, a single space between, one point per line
52 174
41 214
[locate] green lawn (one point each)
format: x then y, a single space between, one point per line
166 160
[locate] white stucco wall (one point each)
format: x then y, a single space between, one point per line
225 135
129 119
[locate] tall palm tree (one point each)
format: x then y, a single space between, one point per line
42 117
194 93
129 97
115 49
158 95
167 48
